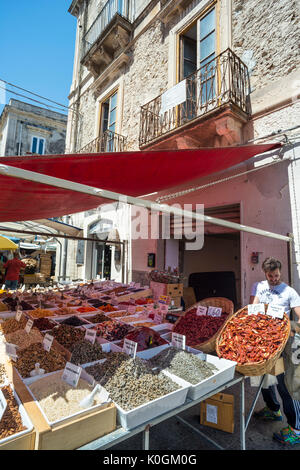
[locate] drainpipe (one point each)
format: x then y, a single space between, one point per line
290 260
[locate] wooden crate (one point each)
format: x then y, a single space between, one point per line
67 436
160 288
26 442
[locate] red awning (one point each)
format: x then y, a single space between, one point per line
129 173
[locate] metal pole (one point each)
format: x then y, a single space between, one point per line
254 402
242 415
146 437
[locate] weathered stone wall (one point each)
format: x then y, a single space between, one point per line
146 78
266 34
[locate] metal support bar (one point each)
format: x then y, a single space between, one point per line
199 432
146 437
254 402
242 416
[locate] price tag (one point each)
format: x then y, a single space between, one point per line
11 350
105 347
103 394
131 309
3 404
18 315
28 326
47 342
157 318
178 341
211 414
164 299
201 310
149 307
130 347
214 311
275 311
90 335
255 309
163 308
71 374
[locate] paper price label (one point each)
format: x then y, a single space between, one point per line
18 315
211 414
90 335
11 350
131 309
130 347
103 394
71 374
201 310
214 311
255 309
157 318
28 326
178 341
149 307
163 308
47 342
275 311
3 404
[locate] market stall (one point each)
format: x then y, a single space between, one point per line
113 331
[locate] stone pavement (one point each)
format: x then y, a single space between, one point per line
174 435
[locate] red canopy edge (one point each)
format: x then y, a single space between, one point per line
129 173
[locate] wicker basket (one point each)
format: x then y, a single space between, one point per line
255 368
227 306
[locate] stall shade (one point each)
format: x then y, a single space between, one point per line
131 173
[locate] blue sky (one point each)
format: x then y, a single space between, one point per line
37 42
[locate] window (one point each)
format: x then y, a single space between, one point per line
197 52
108 123
38 145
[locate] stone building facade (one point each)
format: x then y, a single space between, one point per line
243 56
26 128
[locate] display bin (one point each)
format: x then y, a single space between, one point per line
135 295
71 434
23 440
133 418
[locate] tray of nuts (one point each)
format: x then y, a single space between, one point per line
15 421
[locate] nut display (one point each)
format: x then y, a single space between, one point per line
43 324
23 339
35 353
11 422
112 330
146 338
73 321
10 325
67 335
97 318
40 312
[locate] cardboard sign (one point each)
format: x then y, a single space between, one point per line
255 309
71 374
275 311
201 310
214 311
130 347
19 314
90 335
178 341
47 342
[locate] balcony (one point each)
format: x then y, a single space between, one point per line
107 142
107 37
207 108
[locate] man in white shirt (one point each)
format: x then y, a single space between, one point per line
274 291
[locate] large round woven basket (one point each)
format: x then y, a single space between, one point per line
227 306
255 368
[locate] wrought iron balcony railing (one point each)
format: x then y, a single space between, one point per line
107 142
224 80
106 15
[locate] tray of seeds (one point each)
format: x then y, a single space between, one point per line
139 393
96 317
85 352
44 324
22 339
41 313
59 402
15 421
201 372
74 320
65 311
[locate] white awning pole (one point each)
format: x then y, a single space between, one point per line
8 170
